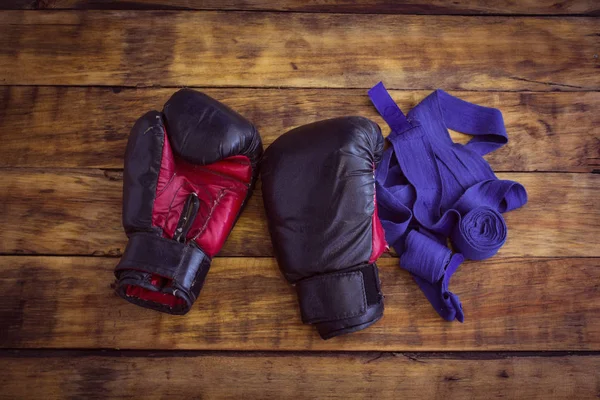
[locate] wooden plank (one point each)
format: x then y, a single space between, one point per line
88 127
465 7
252 49
298 376
78 212
510 304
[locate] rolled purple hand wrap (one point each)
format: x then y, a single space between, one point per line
430 189
480 233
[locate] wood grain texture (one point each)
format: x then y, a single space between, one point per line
251 49
88 127
510 304
275 376
531 7
72 83
78 212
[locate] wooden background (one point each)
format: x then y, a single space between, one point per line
74 76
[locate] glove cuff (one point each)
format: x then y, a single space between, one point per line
341 302
160 273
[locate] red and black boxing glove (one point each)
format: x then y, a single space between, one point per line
189 171
319 192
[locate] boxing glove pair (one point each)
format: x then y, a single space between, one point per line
189 172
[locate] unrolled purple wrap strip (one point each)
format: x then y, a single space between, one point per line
430 189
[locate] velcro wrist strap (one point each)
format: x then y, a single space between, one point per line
339 295
183 264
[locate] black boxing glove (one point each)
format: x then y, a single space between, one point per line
189 171
319 193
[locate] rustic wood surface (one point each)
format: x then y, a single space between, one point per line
78 212
300 376
70 127
249 49
74 76
510 304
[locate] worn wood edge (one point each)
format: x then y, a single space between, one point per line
300 376
67 127
551 8
167 57
246 304
78 212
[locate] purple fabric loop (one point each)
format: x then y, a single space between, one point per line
430 189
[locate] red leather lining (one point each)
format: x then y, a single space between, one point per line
379 244
221 188
167 166
157 297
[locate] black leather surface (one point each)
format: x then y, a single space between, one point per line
332 296
146 254
229 133
170 259
142 166
318 188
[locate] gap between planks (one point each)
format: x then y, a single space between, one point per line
463 8
118 88
413 355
